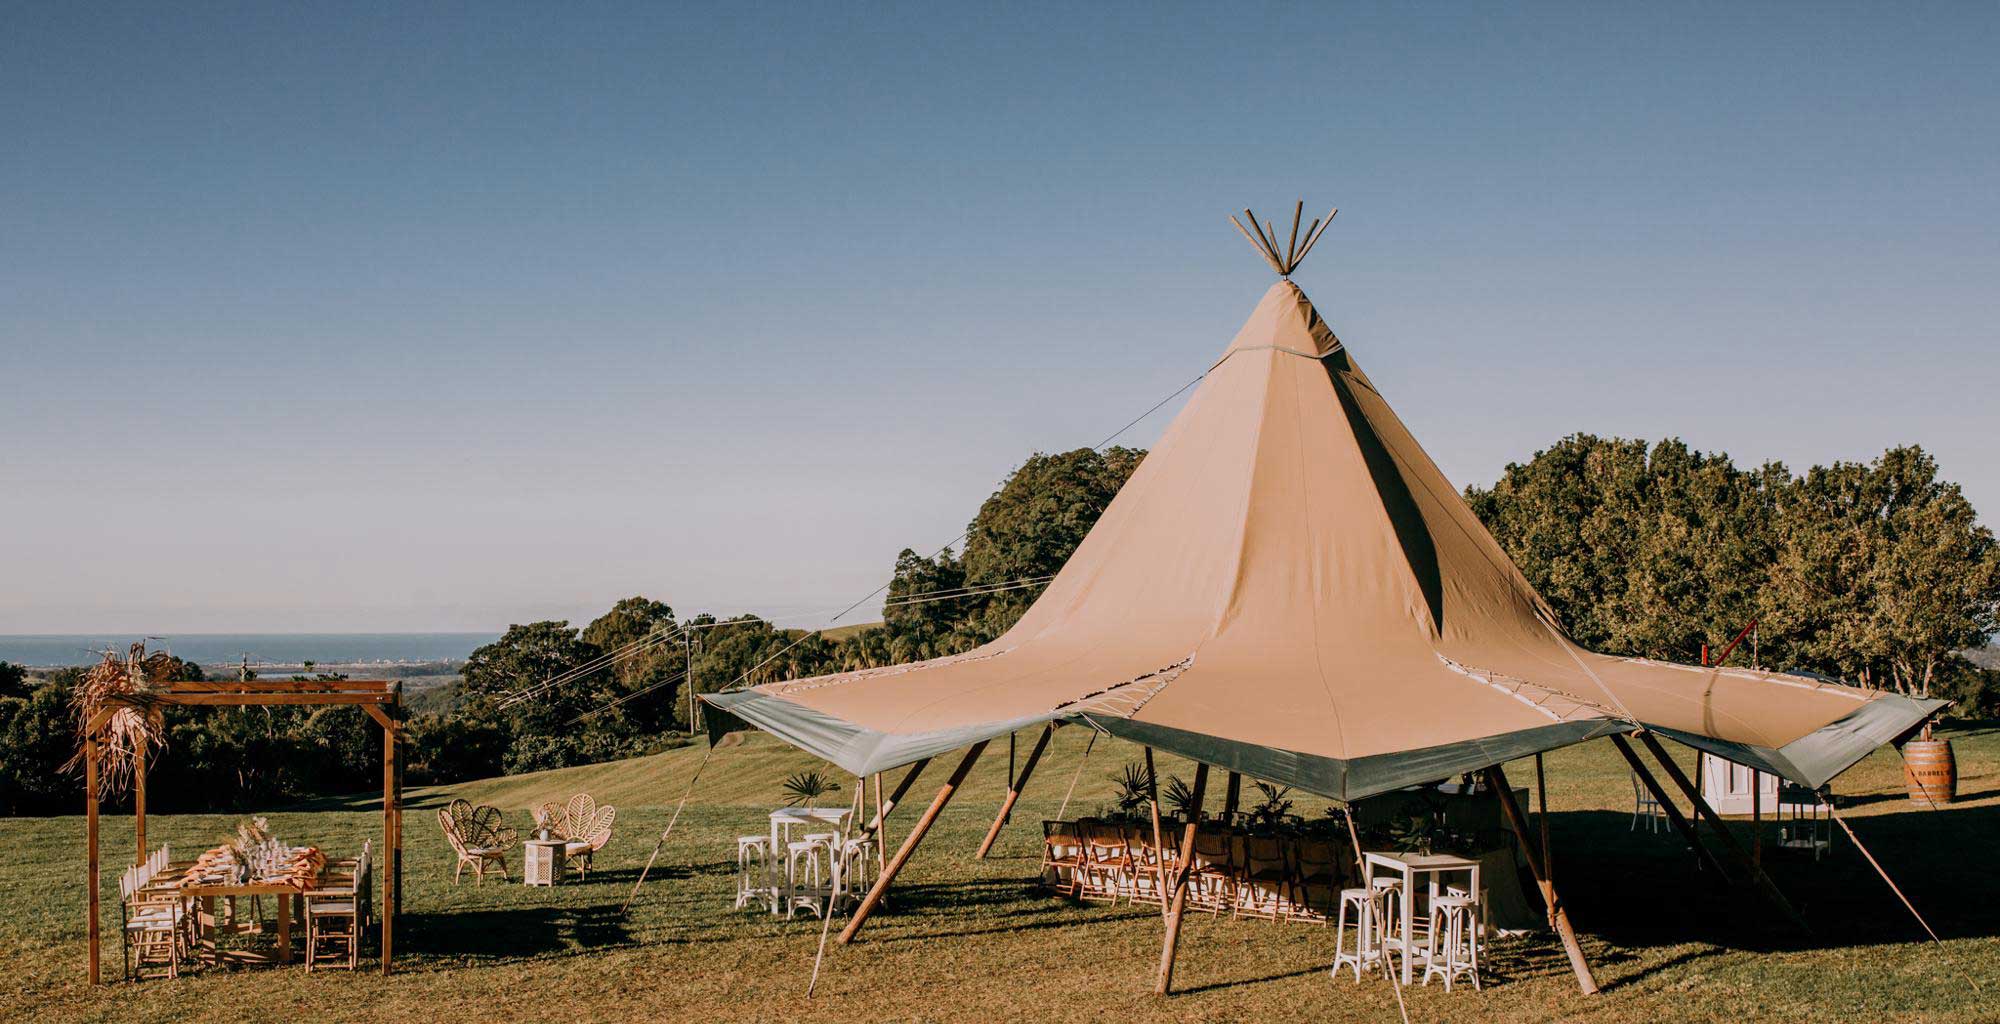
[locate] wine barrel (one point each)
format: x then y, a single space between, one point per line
1930 772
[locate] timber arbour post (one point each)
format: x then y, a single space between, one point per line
917 832
1182 870
1558 914
90 840
1014 789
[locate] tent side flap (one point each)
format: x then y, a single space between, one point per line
1814 759
855 749
1357 778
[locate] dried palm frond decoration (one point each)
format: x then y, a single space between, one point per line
131 729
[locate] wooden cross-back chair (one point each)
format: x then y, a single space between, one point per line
478 835
338 911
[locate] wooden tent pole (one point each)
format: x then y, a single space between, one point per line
1757 875
1233 797
917 832
881 825
1014 791
1496 776
1673 810
90 844
1183 868
1548 863
895 796
1159 839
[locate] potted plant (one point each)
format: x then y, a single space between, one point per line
1179 798
1135 791
1269 814
808 787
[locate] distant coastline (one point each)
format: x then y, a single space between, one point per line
264 650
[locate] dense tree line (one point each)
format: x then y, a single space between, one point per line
1879 573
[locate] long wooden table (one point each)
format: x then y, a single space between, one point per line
286 892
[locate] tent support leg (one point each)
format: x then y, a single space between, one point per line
1159 840
1171 945
895 795
1681 824
1014 791
1558 914
917 833
1707 813
1548 862
1233 797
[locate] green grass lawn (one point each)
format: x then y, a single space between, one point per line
971 940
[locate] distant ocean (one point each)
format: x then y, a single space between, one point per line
263 648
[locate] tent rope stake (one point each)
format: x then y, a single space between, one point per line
1063 811
669 830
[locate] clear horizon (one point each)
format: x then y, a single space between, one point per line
397 320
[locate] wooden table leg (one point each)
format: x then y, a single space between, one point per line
207 922
284 928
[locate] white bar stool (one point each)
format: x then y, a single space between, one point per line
754 883
1455 919
808 876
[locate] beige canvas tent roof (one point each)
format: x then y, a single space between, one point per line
1288 587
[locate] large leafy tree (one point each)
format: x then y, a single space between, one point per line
1026 530
1883 571
1649 550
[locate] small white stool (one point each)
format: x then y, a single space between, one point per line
1455 919
753 873
857 868
807 876
1364 953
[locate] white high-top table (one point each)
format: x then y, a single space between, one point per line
784 818
1411 866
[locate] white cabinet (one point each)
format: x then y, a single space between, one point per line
542 862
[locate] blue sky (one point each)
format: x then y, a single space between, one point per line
444 317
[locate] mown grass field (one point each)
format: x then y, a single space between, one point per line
976 941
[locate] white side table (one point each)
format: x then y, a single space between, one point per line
542 862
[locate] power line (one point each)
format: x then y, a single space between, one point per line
1099 446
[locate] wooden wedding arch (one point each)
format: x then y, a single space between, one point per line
374 696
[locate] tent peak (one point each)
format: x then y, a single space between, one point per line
1264 236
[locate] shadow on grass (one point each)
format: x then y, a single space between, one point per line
515 934
1635 889
1218 986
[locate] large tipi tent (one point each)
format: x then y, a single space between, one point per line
1288 587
